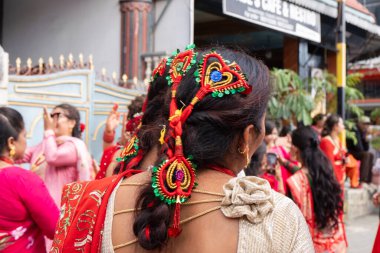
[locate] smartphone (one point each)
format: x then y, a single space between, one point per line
271 159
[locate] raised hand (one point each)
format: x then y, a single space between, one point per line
113 119
48 121
125 136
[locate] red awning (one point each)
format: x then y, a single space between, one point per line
369 73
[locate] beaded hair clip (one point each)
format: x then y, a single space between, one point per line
174 179
131 149
180 63
159 70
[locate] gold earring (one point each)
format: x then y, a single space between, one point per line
242 152
246 152
248 160
12 152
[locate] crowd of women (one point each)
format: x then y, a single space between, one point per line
170 183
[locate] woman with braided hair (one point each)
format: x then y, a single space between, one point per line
317 193
215 112
144 129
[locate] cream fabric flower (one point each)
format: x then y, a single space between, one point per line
248 196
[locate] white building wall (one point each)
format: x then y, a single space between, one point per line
175 29
43 28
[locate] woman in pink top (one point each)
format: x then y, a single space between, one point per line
27 212
271 136
62 157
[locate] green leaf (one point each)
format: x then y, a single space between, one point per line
375 114
306 118
351 136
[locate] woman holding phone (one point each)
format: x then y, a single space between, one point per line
62 156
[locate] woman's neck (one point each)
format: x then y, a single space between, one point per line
5 161
149 159
63 135
334 135
270 145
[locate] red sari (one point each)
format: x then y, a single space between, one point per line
336 154
106 160
324 240
83 212
376 245
271 180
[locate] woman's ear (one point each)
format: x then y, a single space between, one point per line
71 123
11 142
251 139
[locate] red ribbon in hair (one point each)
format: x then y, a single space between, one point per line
133 124
82 127
147 232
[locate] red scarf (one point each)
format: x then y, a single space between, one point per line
83 209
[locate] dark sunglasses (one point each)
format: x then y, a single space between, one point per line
57 115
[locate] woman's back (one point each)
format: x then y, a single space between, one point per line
211 122
262 221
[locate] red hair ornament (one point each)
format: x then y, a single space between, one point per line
158 71
82 127
174 180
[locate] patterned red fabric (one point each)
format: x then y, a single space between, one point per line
83 212
324 241
106 160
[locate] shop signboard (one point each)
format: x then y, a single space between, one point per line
279 15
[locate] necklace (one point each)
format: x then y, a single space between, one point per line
222 169
337 146
334 142
7 160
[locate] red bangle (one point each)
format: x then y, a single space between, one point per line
108 137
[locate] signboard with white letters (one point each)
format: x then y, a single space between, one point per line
279 15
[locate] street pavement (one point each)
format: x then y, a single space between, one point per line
361 233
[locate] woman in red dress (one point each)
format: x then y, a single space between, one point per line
333 148
317 193
111 150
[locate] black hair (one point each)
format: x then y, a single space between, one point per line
152 122
135 106
11 125
285 130
326 191
211 131
269 126
253 168
73 114
317 118
330 122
